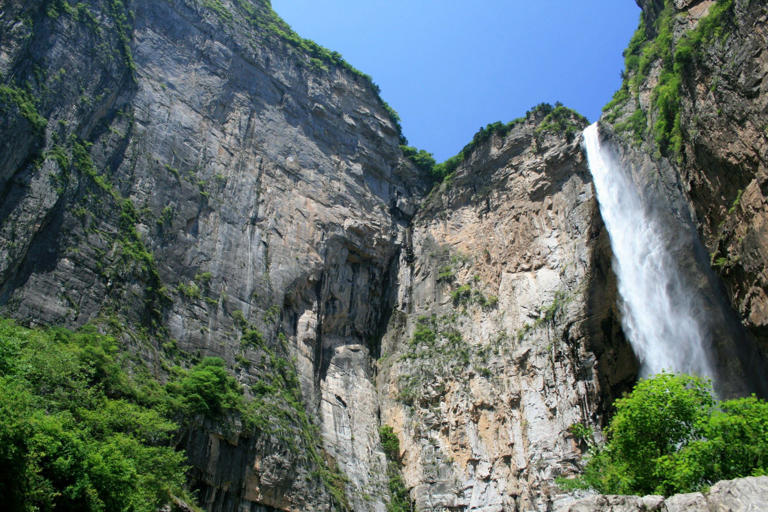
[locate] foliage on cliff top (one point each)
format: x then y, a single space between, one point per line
651 44
562 120
558 119
669 435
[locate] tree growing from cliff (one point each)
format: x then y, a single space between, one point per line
669 435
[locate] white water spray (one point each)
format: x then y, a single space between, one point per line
659 318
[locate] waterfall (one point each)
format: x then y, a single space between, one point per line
659 316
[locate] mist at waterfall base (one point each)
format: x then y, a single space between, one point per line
658 314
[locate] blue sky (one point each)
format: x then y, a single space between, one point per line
451 66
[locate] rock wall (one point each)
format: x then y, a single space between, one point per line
724 121
502 338
191 174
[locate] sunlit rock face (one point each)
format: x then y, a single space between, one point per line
194 179
504 331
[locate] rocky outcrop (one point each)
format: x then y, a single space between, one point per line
494 353
741 495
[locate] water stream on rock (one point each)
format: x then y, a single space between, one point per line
659 318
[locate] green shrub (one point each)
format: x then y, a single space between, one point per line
206 389
423 160
446 274
670 436
252 339
191 290
389 442
84 428
561 120
76 432
581 432
22 101
461 295
424 333
399 500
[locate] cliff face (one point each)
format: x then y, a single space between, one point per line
724 122
503 337
690 120
194 178
184 174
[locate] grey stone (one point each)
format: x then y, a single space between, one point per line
740 495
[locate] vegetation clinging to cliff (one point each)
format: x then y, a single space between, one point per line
657 44
78 432
14 98
83 426
558 119
399 500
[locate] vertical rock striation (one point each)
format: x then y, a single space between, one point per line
503 334
196 172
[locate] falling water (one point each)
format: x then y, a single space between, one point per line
658 316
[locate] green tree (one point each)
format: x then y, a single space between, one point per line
207 389
734 444
73 433
669 435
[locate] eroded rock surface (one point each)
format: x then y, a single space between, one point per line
740 495
492 352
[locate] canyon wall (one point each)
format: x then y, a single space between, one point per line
194 178
183 176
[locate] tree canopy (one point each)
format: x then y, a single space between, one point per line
669 435
79 432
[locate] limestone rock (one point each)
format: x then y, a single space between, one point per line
740 495
493 351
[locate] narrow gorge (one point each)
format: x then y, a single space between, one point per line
225 206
